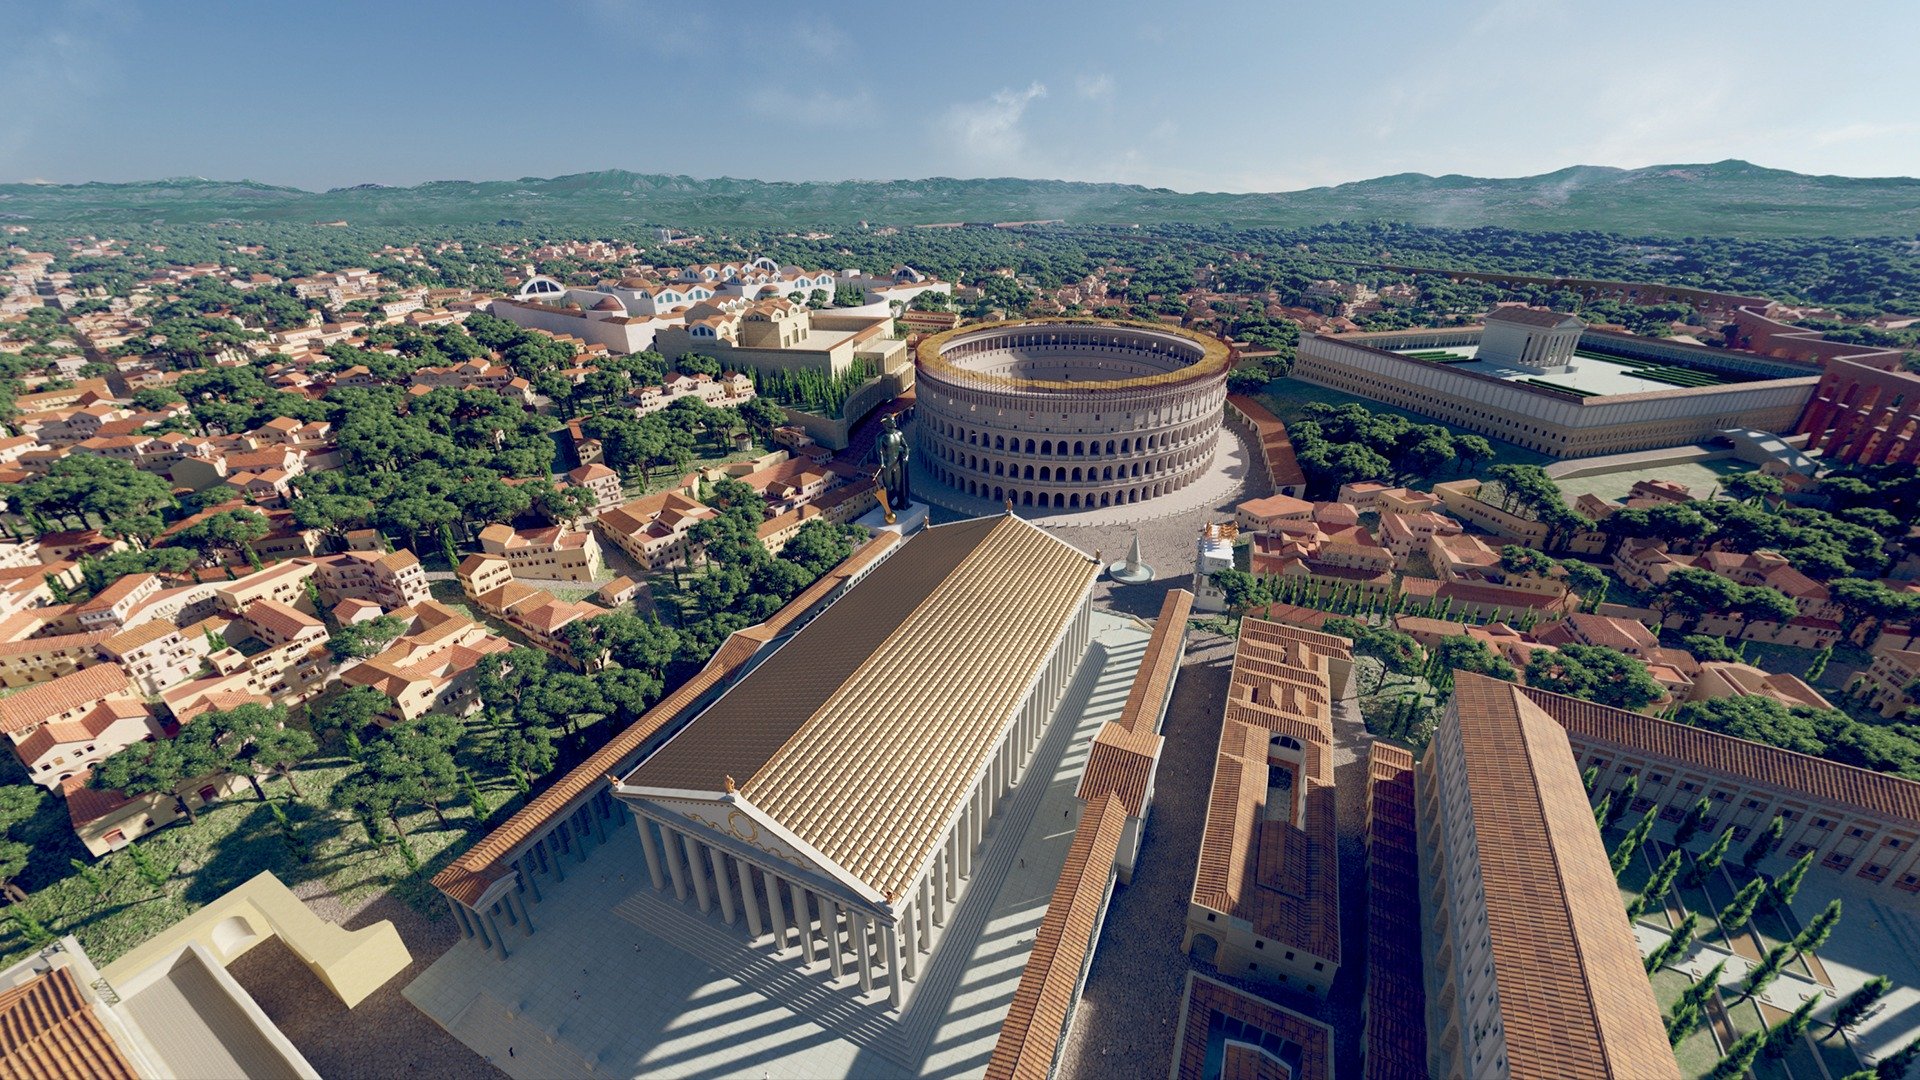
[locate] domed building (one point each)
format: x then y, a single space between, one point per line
1069 413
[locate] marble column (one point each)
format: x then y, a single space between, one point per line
493 931
697 872
863 951
891 938
910 919
830 916
722 882
651 848
802 919
925 907
749 897
518 904
777 907
676 865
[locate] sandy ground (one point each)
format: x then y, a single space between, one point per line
383 1036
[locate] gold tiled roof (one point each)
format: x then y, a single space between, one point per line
1214 362
1123 753
1575 1001
467 878
863 733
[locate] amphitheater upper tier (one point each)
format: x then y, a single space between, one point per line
1069 413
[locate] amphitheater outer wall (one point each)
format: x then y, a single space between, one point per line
1134 413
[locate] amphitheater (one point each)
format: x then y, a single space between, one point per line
1069 414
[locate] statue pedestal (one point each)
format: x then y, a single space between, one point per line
906 522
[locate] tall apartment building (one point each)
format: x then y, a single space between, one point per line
1531 967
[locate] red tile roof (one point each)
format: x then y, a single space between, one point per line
49 1031
33 705
1883 795
1043 1002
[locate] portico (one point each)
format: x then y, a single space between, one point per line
850 802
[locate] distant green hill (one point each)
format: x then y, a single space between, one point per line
1728 198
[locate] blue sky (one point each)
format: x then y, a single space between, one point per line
1264 96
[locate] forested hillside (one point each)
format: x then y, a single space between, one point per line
1729 198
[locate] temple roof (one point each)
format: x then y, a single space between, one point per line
863 734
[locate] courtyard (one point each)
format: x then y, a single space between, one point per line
1876 935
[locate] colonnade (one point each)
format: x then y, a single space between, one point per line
801 914
504 904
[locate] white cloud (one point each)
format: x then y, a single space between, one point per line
990 131
1096 87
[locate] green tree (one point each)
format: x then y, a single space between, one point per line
1895 1065
1657 885
257 740
1630 844
1785 1035
1855 1006
1819 665
1818 929
1628 792
149 871
1764 844
1697 817
1709 860
1739 1057
1762 975
1596 674
357 641
1787 885
1739 911
162 767
84 488
1676 944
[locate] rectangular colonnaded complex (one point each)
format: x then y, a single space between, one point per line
1551 384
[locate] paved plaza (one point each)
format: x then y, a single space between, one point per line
618 980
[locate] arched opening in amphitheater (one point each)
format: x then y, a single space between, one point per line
1069 414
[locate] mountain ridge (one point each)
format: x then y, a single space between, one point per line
1731 197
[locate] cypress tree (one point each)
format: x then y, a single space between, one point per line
1739 911
1815 933
1709 860
1857 1004
1696 817
1782 1036
1895 1065
1657 885
1739 1057
1764 844
1761 975
1787 885
1627 793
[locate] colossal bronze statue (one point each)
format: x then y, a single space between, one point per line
894 454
